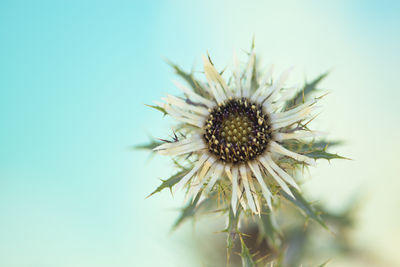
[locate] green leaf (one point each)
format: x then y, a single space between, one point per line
188 211
316 150
304 206
268 229
158 108
188 77
324 264
302 147
247 259
170 182
305 92
324 144
232 231
191 209
321 154
149 146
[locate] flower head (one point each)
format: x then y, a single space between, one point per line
237 131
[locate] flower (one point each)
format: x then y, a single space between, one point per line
238 131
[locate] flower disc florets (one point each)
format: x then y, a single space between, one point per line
237 131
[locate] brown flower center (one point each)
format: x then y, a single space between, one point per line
237 131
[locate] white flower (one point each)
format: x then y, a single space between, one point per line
237 132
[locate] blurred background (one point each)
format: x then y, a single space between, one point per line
74 78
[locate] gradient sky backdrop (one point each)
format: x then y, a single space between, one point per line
74 76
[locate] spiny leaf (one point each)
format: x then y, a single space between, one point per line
254 80
149 146
305 206
247 259
344 218
232 231
188 77
316 150
302 147
191 209
170 182
324 144
321 154
268 229
158 108
187 212
305 92
324 264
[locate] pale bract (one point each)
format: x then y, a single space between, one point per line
237 130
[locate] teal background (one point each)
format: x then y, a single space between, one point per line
74 78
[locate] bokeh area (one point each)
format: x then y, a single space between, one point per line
74 78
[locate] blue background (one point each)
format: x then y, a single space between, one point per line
74 78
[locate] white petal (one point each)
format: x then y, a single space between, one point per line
263 85
276 177
241 195
232 175
181 116
248 75
196 188
219 168
189 175
264 188
236 189
193 96
184 149
298 135
272 90
283 151
185 112
254 192
236 73
268 107
187 140
300 114
285 176
280 123
180 103
249 195
209 162
215 81
280 82
293 111
288 94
